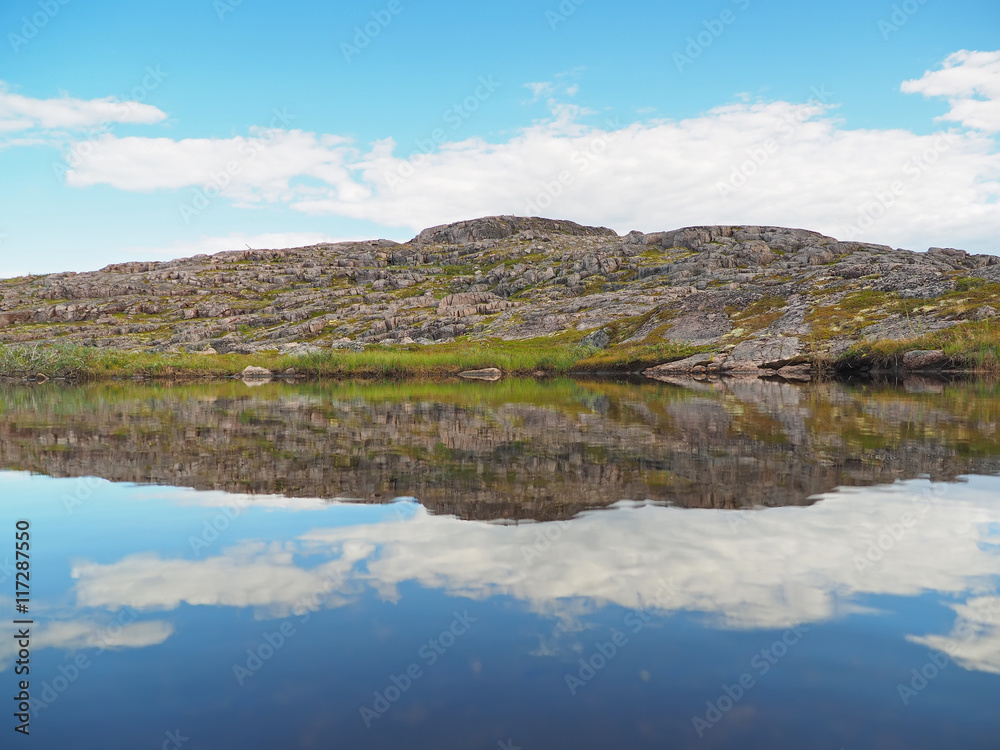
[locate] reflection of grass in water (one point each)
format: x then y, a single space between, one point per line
563 394
857 419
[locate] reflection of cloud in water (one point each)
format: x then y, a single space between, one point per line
763 569
89 634
263 576
216 499
974 642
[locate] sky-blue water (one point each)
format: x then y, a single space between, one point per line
165 613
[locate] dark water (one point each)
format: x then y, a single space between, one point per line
589 565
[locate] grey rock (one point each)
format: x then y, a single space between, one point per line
680 366
488 373
256 373
795 372
755 354
599 339
925 359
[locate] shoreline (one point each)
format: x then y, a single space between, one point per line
533 358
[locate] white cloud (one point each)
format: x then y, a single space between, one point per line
20 113
539 89
780 163
248 169
209 245
971 83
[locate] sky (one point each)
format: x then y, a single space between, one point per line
158 130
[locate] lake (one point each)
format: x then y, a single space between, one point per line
521 564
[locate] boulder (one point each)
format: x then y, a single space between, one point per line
256 373
489 373
925 359
762 353
802 373
680 366
599 339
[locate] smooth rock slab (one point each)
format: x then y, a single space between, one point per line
802 373
686 365
489 373
757 353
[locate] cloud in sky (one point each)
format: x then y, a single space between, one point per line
971 83
21 113
746 162
210 245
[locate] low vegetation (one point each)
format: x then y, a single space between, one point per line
971 346
547 355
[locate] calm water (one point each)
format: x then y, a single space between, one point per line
511 565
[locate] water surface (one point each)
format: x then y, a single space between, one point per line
564 564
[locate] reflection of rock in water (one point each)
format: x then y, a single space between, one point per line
533 450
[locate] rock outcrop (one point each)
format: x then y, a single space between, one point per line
755 299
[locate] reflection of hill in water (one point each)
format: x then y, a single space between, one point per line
515 449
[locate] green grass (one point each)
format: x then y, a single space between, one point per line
635 357
551 355
971 345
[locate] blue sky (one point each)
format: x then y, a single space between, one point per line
276 124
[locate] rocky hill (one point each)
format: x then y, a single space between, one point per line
748 296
